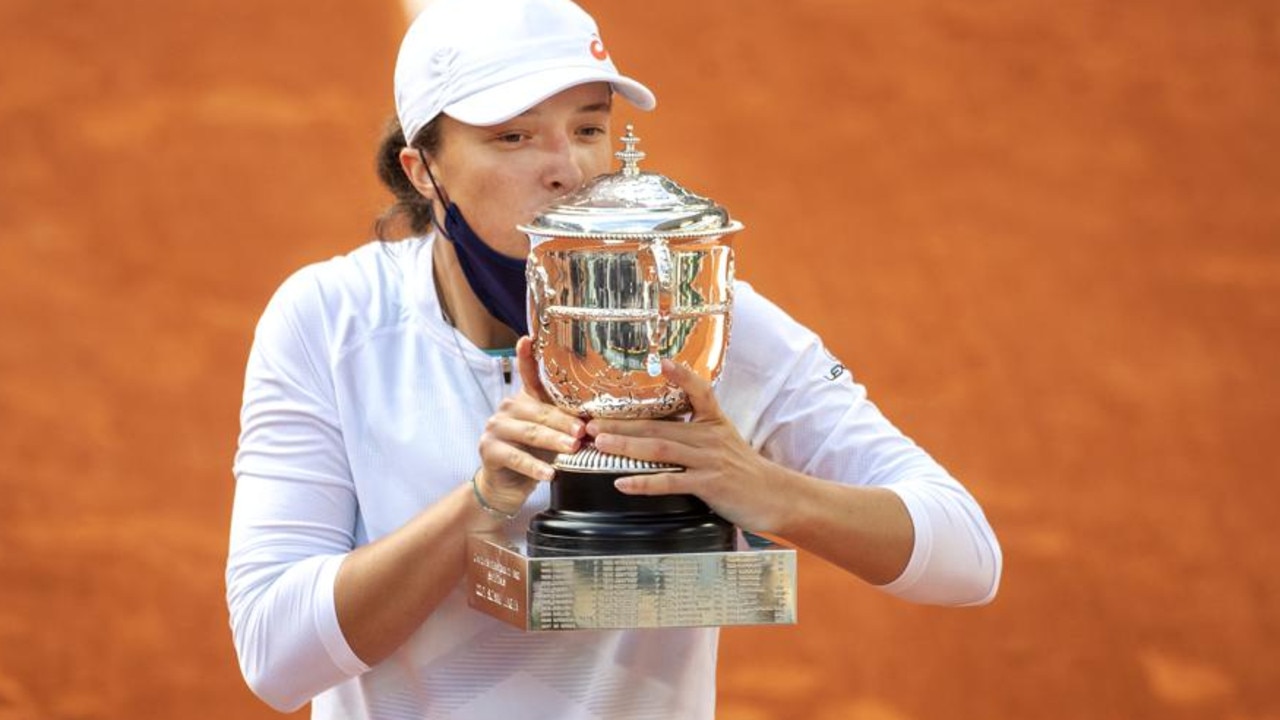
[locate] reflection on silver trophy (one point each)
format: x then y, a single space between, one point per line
627 271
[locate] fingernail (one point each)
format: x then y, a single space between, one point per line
546 473
624 484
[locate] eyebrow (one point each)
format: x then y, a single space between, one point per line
605 106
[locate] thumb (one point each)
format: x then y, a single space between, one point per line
701 396
527 365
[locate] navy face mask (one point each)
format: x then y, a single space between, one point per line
497 280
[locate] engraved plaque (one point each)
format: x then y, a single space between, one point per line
752 584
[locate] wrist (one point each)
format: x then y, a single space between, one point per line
495 505
790 500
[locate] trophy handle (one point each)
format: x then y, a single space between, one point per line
659 256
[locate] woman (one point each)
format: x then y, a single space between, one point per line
386 417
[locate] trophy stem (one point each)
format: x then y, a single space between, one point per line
587 515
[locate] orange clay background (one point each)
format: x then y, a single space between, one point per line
1045 235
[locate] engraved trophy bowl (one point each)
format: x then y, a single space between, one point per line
626 271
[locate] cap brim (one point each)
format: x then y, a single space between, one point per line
502 102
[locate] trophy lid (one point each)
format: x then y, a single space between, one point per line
632 204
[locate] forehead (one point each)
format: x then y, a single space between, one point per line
587 97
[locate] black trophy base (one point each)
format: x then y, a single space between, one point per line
589 516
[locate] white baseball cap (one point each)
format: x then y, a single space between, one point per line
483 62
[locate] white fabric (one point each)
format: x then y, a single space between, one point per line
483 62
361 407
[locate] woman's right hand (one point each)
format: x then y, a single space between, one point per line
522 436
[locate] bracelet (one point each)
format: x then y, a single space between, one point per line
484 504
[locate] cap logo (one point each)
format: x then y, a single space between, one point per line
597 50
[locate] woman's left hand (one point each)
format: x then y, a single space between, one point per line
720 467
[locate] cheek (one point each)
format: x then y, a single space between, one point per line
493 197
499 205
599 161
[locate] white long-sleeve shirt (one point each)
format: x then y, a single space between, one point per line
362 407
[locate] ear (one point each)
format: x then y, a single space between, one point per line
411 162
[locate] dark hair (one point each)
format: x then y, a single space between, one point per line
410 214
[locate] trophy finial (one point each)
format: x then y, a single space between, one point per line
629 155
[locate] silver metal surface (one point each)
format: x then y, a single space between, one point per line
591 460
632 203
626 272
754 584
629 270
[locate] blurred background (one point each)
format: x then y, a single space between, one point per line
1045 235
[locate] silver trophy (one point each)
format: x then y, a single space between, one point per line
627 271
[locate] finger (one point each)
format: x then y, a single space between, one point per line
537 435
497 455
527 365
659 450
529 409
701 397
634 428
655 484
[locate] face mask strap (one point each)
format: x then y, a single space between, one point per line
498 281
440 194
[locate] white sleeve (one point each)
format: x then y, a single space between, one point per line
814 418
956 559
294 516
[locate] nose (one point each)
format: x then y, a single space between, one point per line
564 170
